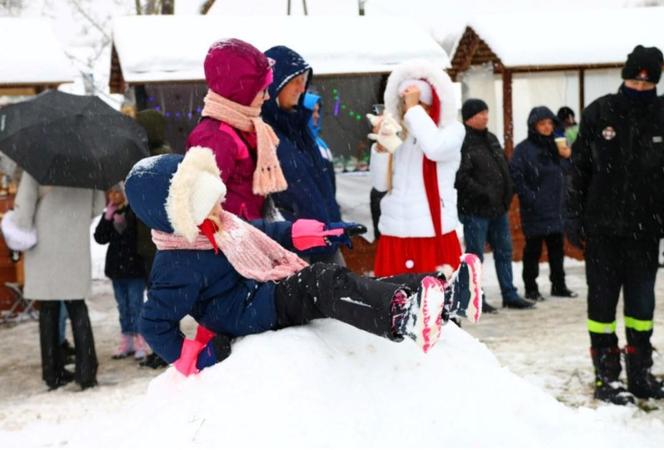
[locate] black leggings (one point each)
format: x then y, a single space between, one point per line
327 290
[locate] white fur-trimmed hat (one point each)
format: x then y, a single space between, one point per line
195 188
426 94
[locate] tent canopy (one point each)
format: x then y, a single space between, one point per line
172 48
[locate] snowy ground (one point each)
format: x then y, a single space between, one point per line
329 385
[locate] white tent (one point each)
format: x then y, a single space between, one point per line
31 55
554 58
280 7
172 48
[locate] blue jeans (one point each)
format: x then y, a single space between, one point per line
62 323
129 296
479 230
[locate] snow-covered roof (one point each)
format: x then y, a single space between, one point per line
569 37
30 53
172 48
280 7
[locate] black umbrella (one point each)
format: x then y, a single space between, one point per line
71 140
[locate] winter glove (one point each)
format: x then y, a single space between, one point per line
203 335
388 133
575 233
308 233
110 210
216 350
350 229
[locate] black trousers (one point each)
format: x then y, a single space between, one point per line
612 264
49 339
327 290
531 256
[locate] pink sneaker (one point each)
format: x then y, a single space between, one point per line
125 347
142 348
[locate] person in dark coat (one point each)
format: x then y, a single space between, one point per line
538 172
235 280
484 190
117 227
310 193
616 212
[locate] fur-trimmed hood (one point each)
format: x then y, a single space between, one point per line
162 189
435 76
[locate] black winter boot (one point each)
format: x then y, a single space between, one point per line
608 386
640 381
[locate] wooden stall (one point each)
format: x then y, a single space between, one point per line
531 47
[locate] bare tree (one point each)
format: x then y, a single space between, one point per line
11 7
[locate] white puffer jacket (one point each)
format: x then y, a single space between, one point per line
405 210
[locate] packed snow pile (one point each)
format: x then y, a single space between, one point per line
327 384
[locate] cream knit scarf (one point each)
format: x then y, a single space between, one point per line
268 177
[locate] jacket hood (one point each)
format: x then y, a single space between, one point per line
540 113
236 70
310 102
287 65
435 76
166 191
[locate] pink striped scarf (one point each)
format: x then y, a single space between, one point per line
250 251
268 177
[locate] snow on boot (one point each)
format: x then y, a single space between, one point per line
608 387
420 315
640 380
141 347
125 347
463 290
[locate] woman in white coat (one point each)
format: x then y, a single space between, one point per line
419 213
58 267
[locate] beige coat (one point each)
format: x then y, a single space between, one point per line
59 266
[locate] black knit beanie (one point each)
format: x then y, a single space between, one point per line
471 107
644 63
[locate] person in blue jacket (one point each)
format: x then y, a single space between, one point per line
311 190
237 278
312 102
538 169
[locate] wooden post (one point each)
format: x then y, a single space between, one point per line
582 91
508 119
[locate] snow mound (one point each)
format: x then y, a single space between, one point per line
327 384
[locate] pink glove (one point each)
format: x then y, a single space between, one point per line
110 210
307 233
203 335
186 364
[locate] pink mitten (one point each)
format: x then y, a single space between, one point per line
110 210
308 233
186 364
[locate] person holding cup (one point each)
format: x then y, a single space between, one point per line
415 159
538 168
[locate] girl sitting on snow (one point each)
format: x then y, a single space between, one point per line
235 280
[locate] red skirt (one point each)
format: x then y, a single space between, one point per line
396 255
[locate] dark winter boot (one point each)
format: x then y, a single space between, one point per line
562 291
640 381
608 386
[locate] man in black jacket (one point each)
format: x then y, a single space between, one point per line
616 211
484 189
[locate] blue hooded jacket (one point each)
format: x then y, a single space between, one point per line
310 193
198 283
538 173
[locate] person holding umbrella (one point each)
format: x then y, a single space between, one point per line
71 148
